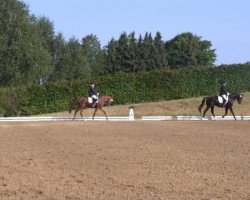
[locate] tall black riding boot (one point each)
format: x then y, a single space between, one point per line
94 102
224 102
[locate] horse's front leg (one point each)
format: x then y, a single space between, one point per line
104 113
96 108
226 111
231 109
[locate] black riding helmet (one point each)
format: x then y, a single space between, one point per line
223 82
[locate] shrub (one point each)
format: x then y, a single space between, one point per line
126 88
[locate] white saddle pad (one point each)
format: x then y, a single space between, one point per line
220 99
90 100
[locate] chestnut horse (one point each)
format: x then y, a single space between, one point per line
82 103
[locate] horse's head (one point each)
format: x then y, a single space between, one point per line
111 100
107 100
237 96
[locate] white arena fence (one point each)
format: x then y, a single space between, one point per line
193 118
130 117
47 119
246 117
156 118
226 118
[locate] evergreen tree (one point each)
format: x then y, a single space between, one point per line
160 52
111 57
141 54
149 52
132 60
95 56
122 52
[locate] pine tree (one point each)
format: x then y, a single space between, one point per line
160 56
95 56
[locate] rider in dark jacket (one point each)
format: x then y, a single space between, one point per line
93 94
224 93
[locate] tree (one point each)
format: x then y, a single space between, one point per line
188 50
149 52
122 54
160 52
112 64
127 50
140 54
23 59
95 56
59 44
46 32
72 64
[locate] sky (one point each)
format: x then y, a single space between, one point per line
226 23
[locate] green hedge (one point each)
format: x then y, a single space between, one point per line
126 88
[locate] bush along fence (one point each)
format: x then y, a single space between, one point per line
126 88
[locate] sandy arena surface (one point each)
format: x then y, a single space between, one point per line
204 160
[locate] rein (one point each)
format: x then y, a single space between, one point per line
234 97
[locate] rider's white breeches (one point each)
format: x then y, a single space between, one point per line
225 97
94 97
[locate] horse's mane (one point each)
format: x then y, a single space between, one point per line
234 94
108 95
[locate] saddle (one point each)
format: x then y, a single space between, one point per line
220 99
91 101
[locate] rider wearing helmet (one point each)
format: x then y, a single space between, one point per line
224 93
93 94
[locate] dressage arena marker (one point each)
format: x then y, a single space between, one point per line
225 118
131 114
192 118
246 117
156 118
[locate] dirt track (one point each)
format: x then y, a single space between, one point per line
125 160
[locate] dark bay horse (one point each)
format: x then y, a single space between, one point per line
82 103
212 101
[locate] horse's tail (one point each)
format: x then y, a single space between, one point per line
202 104
72 105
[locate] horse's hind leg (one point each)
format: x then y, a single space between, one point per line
76 110
212 110
207 108
81 113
